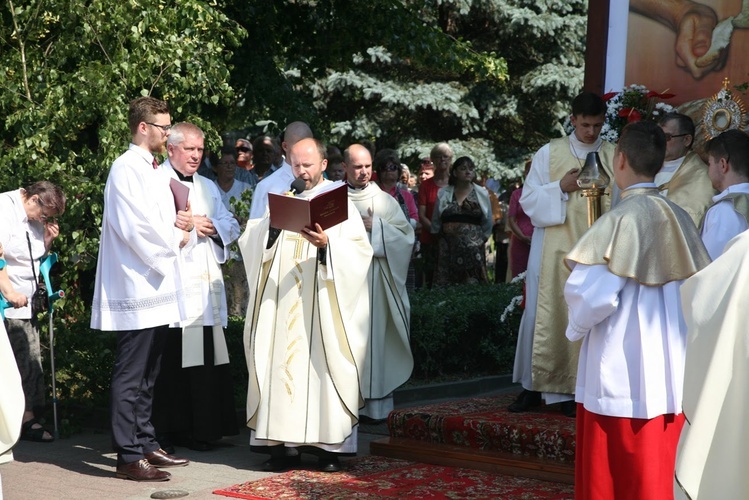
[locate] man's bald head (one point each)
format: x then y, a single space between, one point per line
358 164
295 132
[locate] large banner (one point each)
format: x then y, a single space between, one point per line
680 47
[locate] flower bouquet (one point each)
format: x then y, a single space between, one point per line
632 104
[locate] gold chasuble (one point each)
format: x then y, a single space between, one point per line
691 188
554 363
305 332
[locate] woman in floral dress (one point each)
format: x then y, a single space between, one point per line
462 221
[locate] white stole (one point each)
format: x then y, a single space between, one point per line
208 270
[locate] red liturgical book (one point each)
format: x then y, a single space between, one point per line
293 214
180 192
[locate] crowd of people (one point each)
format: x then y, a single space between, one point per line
607 332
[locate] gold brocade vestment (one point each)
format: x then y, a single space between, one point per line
554 361
691 188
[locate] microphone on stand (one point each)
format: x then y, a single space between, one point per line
298 186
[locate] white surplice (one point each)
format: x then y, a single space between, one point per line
138 270
713 452
205 297
722 223
545 203
632 357
277 182
389 361
305 333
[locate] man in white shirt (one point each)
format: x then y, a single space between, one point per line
282 178
623 298
728 168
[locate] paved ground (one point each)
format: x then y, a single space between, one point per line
82 467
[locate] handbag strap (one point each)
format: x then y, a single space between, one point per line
31 256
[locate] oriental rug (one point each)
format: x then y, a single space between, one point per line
369 478
484 423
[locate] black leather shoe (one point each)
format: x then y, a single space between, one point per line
141 471
329 464
525 401
160 458
569 409
278 464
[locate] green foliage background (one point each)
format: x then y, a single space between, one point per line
492 78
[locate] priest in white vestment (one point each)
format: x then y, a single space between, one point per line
194 396
12 399
307 321
728 168
713 452
544 361
389 361
280 180
624 304
138 291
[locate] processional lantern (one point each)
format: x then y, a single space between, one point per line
593 181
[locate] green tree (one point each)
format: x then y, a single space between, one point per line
491 78
69 71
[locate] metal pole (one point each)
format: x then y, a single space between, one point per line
54 375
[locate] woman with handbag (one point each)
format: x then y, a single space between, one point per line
28 228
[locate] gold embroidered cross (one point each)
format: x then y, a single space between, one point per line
299 240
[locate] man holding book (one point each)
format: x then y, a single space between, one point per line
306 327
194 402
389 361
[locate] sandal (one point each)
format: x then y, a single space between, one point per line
28 433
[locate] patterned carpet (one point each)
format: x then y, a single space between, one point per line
377 477
485 423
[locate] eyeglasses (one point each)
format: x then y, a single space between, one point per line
45 218
243 149
164 128
671 136
390 168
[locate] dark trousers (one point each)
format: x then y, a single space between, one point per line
136 367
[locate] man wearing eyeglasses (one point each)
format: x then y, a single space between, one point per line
137 292
683 178
389 361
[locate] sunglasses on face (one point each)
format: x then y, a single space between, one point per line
243 149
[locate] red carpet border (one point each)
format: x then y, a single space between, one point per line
485 423
377 477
